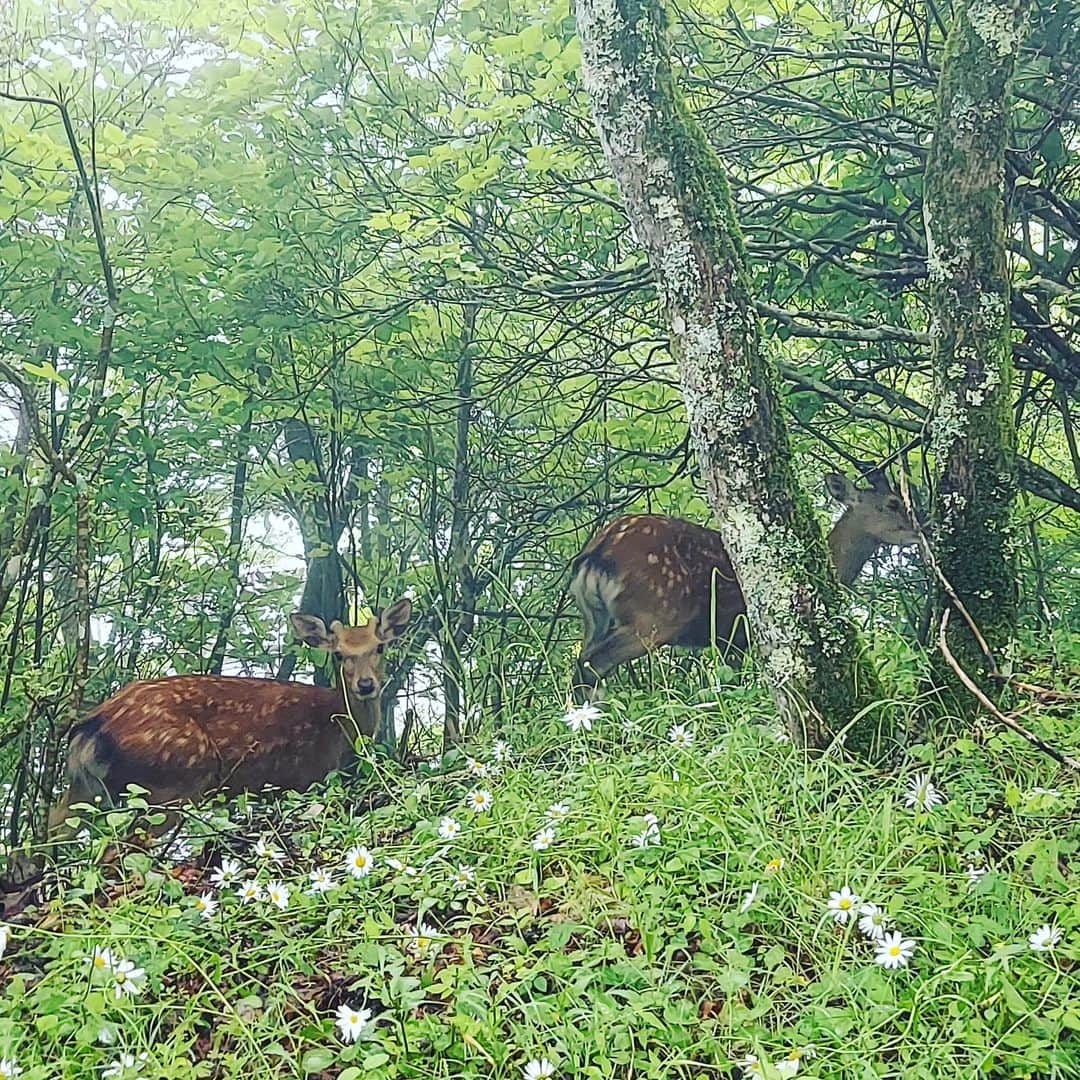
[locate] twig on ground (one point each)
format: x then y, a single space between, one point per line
995 712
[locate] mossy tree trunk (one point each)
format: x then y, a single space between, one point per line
677 198
972 433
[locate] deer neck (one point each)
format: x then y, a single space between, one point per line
365 713
851 547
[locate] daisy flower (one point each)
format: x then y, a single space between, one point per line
206 905
774 866
9 1069
263 850
124 1065
402 868
1045 938
922 795
873 922
463 876
894 951
581 718
502 751
322 881
749 898
101 963
359 862
351 1022
480 800
751 1067
251 891
975 874
681 735
449 828
226 874
558 811
423 943
127 979
538 1069
277 894
788 1066
544 838
843 905
476 768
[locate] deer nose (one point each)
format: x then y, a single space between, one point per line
365 687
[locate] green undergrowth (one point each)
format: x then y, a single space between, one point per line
671 945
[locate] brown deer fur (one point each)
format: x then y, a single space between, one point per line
644 580
188 735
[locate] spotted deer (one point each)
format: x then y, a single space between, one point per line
186 736
644 580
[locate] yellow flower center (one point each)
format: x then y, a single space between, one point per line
894 950
845 905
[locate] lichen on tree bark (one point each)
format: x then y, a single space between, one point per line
677 199
972 430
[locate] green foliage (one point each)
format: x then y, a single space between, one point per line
711 941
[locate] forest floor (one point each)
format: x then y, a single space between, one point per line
651 896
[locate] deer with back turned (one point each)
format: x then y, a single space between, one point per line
186 736
645 580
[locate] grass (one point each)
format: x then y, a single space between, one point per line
607 958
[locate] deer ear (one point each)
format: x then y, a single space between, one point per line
840 488
311 630
394 619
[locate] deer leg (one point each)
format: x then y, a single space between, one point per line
602 656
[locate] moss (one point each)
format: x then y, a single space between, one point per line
680 204
973 435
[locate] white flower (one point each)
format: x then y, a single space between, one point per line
788 1066
322 881
402 868
463 876
226 874
206 905
538 1069
359 862
124 1065
751 1067
502 751
4 931
975 874
774 866
650 835
476 768
557 812
423 944
251 891
127 979
581 718
351 1022
1045 938
9 1069
106 1035
681 735
843 904
544 838
480 800
894 950
449 828
749 898
101 963
263 850
179 850
278 894
922 795
873 921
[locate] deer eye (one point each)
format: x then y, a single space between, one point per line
379 648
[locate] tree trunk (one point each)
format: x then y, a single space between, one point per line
678 201
972 430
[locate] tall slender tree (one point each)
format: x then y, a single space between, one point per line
677 198
973 432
